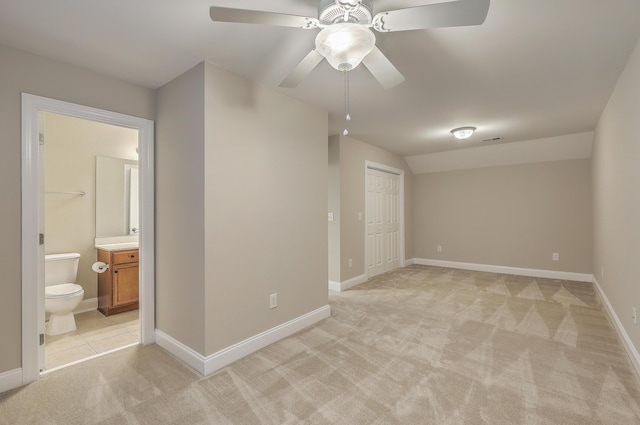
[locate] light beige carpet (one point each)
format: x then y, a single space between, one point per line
420 345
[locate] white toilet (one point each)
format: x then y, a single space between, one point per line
61 294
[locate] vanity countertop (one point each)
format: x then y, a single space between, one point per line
118 246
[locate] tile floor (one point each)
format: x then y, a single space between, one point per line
96 334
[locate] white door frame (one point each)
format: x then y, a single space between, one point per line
31 204
387 169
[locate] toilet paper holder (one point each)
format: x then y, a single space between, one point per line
99 267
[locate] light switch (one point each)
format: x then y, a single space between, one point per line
330 216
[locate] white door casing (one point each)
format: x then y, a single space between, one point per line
384 219
32 255
41 247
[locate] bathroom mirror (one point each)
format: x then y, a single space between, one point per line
116 197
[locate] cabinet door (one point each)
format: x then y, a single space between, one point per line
125 284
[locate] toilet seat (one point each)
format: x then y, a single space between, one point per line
62 290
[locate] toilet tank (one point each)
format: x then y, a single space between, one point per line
61 268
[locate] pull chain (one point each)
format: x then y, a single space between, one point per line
347 117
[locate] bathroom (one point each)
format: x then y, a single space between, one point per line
88 204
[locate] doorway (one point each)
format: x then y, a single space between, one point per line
88 175
33 315
384 219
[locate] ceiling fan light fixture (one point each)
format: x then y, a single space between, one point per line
345 45
462 133
349 4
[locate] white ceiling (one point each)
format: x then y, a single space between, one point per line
534 69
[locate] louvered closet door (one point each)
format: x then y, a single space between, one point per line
382 222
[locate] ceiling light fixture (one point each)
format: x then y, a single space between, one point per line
349 6
344 46
462 133
347 117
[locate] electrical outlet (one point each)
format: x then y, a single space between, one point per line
350 262
556 256
439 248
634 316
273 300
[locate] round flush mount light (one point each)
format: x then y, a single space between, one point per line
463 132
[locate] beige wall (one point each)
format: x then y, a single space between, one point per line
241 183
266 205
72 145
180 246
352 156
23 72
515 216
616 198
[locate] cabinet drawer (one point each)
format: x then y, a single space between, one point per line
123 257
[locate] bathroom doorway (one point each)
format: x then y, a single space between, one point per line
88 174
35 110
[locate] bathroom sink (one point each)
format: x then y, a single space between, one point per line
118 246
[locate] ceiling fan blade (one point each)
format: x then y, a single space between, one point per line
382 69
302 69
456 13
225 14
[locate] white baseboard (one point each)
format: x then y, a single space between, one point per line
206 365
10 379
617 324
549 274
181 351
354 281
87 305
350 283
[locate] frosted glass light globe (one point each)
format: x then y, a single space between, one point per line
463 132
345 45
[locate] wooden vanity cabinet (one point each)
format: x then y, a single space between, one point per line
118 286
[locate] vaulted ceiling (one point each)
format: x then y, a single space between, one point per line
534 69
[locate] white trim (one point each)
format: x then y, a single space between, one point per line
334 286
187 355
631 350
206 365
31 106
385 169
30 137
400 173
409 262
89 304
10 379
549 274
349 283
147 235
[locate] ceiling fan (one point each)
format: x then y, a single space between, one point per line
345 38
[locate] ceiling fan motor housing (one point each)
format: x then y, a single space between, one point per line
329 13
